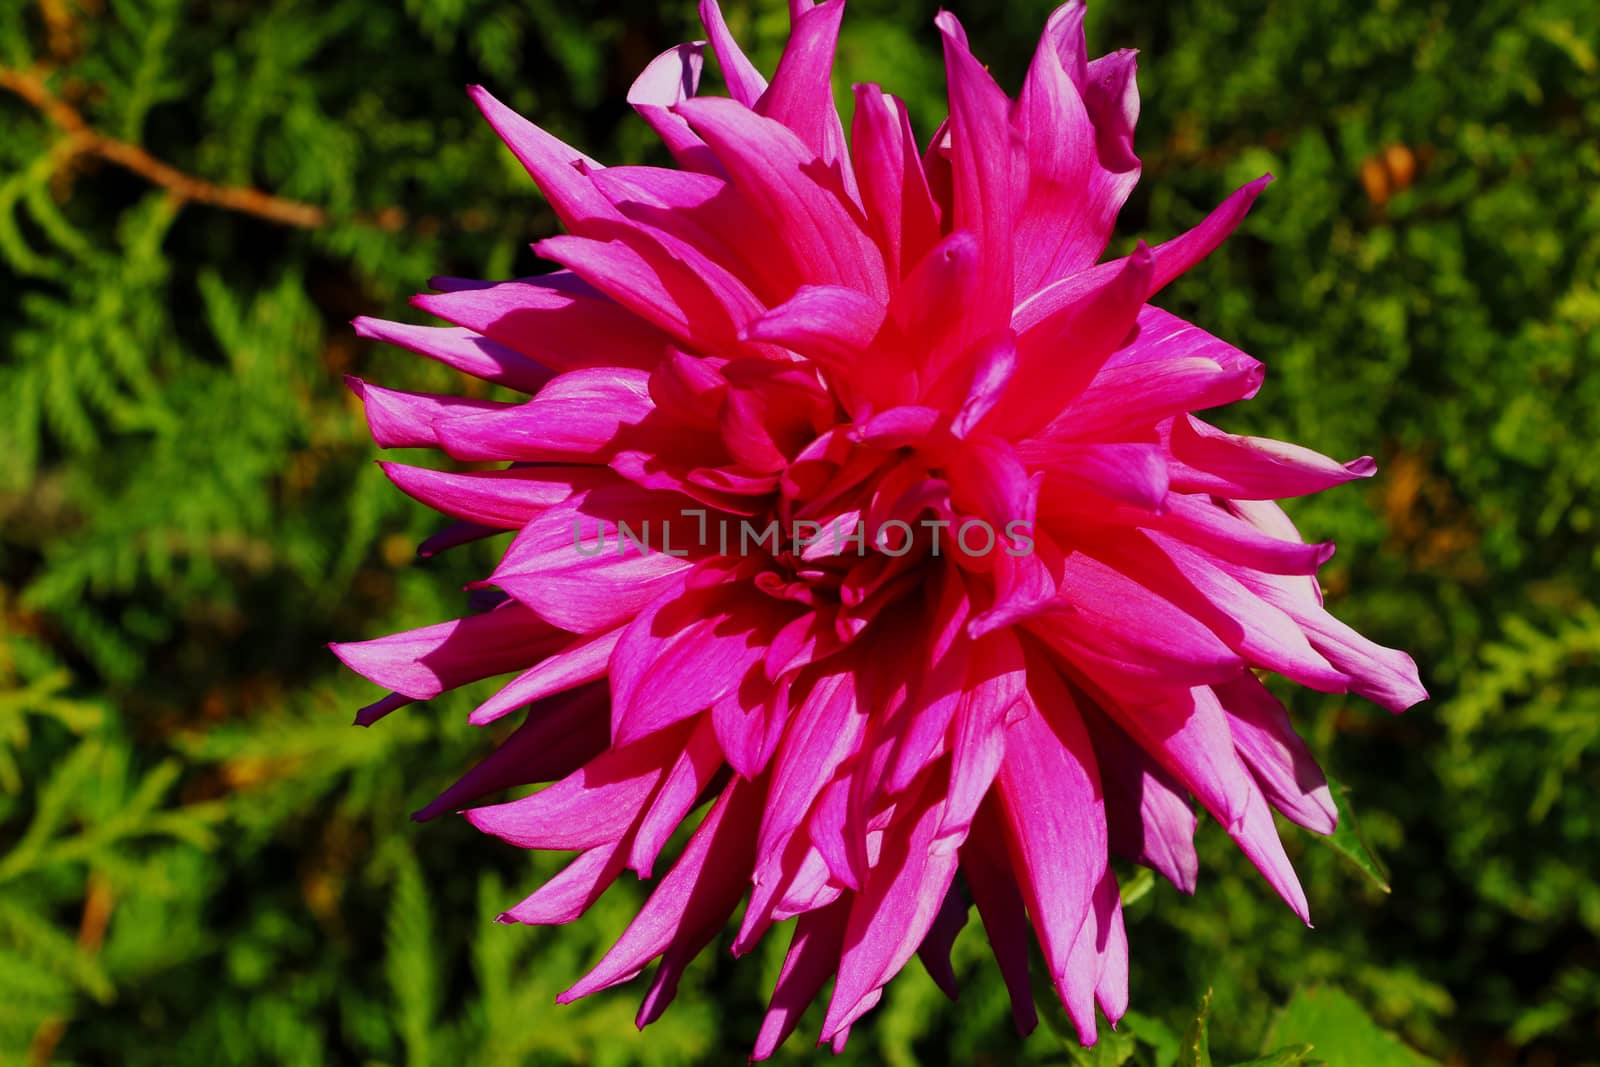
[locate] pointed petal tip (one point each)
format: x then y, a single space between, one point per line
1362 467
356 386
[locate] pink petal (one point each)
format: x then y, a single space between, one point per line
935 948
1257 838
580 414
1128 624
988 164
1252 468
556 738
1257 630
1176 256
548 161
572 565
806 212
670 79
829 324
1169 368
1189 733
680 791
801 93
823 733
996 683
1149 819
399 419
664 279
745 83
1049 789
424 663
894 188
564 898
1386 676
506 499
813 956
595 805
688 906
685 654
1196 520
1000 906
583 661
1066 334
464 350
1135 475
556 320
1059 228
891 914
1278 757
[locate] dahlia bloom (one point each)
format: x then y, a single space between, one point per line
764 385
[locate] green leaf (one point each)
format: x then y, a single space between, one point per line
1288 1056
1196 1048
1340 1030
1346 838
1138 887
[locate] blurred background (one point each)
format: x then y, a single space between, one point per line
203 862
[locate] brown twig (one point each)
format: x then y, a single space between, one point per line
97 903
82 139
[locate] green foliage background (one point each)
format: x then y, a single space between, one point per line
202 862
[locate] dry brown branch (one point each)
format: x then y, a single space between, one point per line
82 139
97 903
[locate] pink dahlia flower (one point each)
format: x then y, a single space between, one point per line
860 501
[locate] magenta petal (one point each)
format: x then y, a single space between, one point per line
1200 522
564 898
1278 757
679 792
1252 468
813 956
1066 333
399 419
801 95
829 324
685 655
988 165
823 733
804 210
548 161
558 736
506 499
424 663
1257 838
594 805
583 661
935 948
1149 819
1176 256
556 320
898 901
745 83
1386 676
996 683
572 565
893 185
1060 229
1001 907
1169 368
1049 789
689 905
670 79
464 350
579 415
